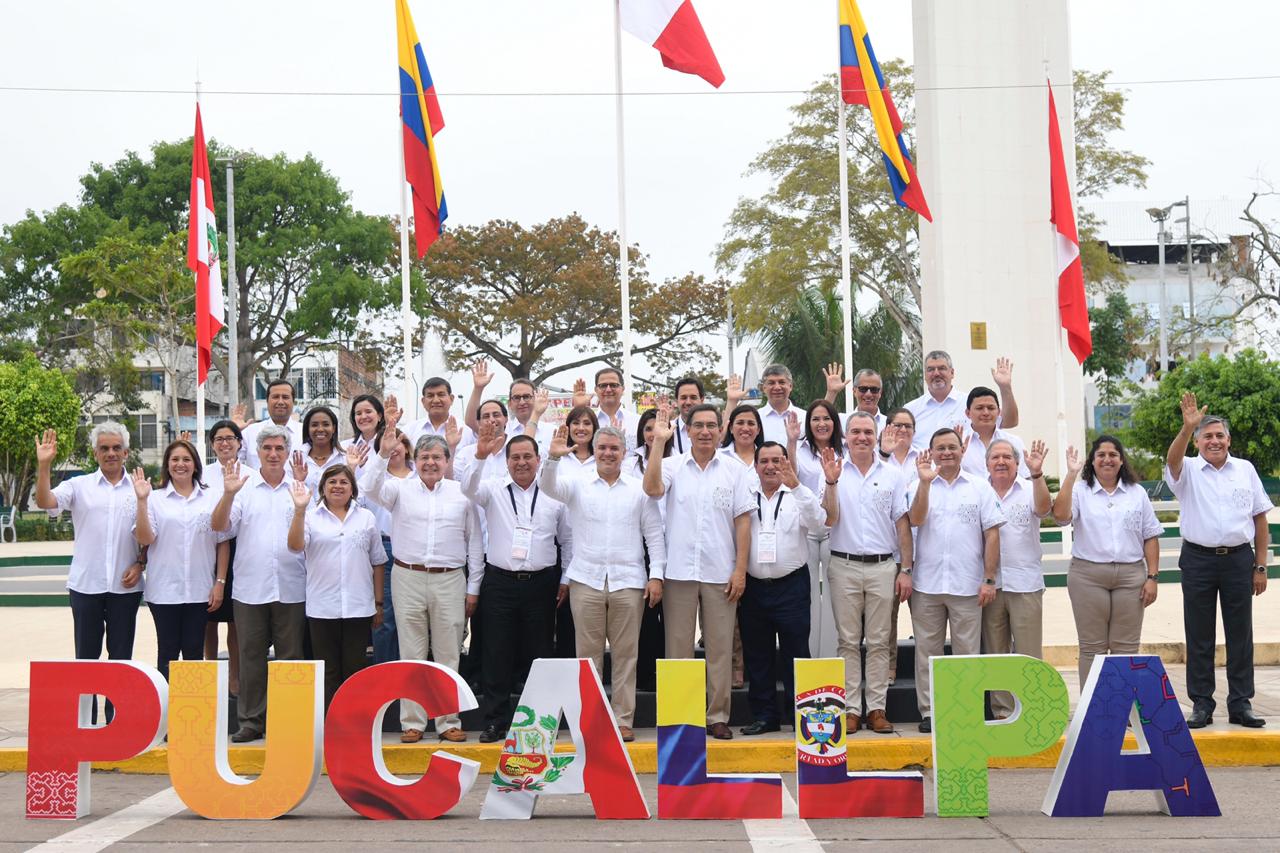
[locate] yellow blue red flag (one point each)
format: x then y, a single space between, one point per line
421 121
861 82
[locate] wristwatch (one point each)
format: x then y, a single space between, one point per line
1155 577
1262 570
906 570
989 581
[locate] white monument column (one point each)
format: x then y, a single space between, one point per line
987 262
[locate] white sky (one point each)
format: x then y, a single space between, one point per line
515 155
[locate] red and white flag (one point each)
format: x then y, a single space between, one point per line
1072 308
672 26
202 255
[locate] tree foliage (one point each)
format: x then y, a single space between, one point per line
1117 331
511 294
1245 390
32 399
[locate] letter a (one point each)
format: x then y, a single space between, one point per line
529 765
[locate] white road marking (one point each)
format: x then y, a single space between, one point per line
105 831
791 833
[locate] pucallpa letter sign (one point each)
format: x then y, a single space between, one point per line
192 709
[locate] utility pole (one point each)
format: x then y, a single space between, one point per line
1191 287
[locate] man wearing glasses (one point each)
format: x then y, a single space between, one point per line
941 406
609 408
521 407
867 386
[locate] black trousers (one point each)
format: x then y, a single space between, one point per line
653 642
179 631
343 646
114 614
1206 578
773 618
519 625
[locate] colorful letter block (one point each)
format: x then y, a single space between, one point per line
1094 763
529 766
685 789
62 743
963 740
826 788
353 742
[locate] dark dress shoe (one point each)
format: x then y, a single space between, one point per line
1246 718
490 734
1199 718
759 727
245 735
926 725
720 731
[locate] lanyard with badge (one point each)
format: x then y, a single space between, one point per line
522 532
767 540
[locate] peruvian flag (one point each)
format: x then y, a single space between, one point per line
672 26
1072 309
202 255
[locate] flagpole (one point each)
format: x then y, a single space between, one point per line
624 267
846 285
407 337
199 385
1059 363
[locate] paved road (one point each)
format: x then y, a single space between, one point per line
564 824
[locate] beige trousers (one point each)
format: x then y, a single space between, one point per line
684 605
1014 622
1106 602
931 612
861 601
613 615
431 610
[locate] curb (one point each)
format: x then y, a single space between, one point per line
1217 749
1066 657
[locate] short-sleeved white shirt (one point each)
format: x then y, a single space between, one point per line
1020 550
1111 528
181 562
774 423
870 506
702 504
249 446
975 457
932 415
794 516
266 570
103 518
630 423
1218 504
950 543
341 554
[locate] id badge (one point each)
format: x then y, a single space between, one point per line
767 547
521 542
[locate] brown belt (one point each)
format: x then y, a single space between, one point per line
418 567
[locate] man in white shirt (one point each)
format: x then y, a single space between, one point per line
613 521
269 595
774 615
1014 620
708 545
957 521
520 580
435 534
982 409
868 385
609 408
776 384
490 415
437 399
104 582
522 406
1224 513
280 413
689 393
942 406
869 528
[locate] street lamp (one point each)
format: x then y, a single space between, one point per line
1159 215
1185 204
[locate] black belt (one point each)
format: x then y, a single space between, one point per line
861 558
490 568
1219 550
787 576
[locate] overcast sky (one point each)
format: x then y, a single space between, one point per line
526 89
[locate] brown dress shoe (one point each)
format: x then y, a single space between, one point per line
410 736
852 722
627 735
720 731
879 723
453 735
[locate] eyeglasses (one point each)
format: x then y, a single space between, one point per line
521 398
609 386
868 389
901 426
225 439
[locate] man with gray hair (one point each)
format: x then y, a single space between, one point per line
269 596
867 388
1224 556
1014 621
104 581
941 406
776 384
435 534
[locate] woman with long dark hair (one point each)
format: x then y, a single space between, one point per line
582 424
633 464
744 435
319 445
1115 550
821 430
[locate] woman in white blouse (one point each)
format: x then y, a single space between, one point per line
345 565
1115 550
320 448
633 464
581 461
187 561
744 435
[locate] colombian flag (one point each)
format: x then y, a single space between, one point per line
862 83
421 118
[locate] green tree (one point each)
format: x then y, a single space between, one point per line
307 262
511 293
1245 390
32 399
1117 331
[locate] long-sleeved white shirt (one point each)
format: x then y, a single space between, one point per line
506 506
